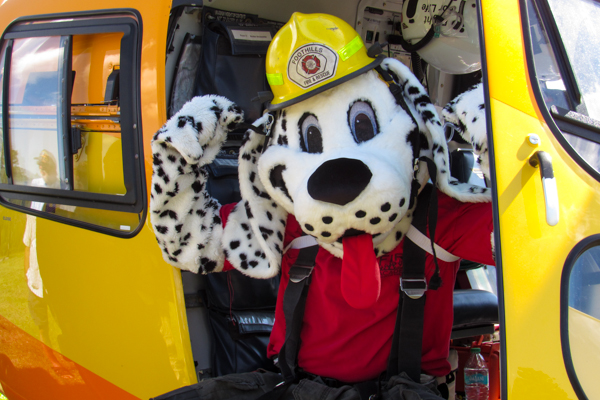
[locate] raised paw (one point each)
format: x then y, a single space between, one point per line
199 128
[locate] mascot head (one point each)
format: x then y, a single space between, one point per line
347 138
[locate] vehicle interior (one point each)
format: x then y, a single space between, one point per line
203 57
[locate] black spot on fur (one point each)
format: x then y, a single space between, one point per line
413 140
161 229
248 211
253 263
398 235
325 234
428 115
279 235
481 106
207 264
276 179
234 244
386 207
252 176
284 124
171 158
282 140
200 212
413 90
217 110
309 227
424 141
245 227
327 220
197 186
169 213
243 256
423 100
175 190
392 217
156 159
474 119
269 216
244 264
157 188
402 201
265 231
375 221
360 214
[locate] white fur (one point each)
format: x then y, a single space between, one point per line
274 181
467 112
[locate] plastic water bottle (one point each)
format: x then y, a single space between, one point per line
476 376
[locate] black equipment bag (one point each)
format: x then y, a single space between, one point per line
232 63
241 309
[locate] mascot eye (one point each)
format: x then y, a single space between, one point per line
361 119
311 140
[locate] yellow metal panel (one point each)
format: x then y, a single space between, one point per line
533 253
116 307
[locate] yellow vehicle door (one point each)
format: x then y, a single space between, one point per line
88 308
542 68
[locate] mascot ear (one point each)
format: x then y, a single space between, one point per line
253 236
426 116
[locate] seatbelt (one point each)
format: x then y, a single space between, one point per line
294 303
405 355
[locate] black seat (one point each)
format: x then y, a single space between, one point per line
475 313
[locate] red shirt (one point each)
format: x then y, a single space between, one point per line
352 345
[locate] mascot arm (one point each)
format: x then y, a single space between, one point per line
184 216
467 113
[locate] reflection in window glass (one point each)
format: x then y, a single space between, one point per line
584 283
3 177
584 320
62 129
33 108
590 151
576 21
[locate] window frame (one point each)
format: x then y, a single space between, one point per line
128 22
577 251
555 121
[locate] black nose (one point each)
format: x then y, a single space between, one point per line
339 181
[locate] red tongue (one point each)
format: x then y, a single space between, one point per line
361 281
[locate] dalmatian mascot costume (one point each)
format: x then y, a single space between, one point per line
338 161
